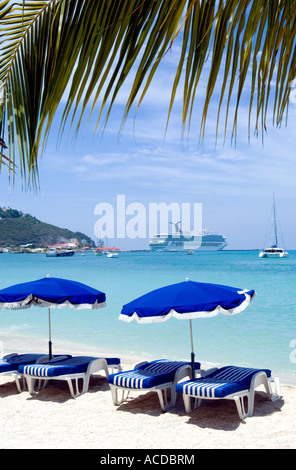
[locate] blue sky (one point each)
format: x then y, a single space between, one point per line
235 184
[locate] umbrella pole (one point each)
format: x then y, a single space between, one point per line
192 351
49 342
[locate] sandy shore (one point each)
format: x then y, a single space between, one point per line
51 419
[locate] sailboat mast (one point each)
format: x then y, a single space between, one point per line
274 220
274 251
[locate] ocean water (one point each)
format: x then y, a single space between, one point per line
263 335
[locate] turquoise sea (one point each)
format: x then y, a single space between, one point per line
263 335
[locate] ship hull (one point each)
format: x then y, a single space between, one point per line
59 254
198 243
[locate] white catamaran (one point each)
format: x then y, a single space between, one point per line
274 251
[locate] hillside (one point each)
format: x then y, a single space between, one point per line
17 229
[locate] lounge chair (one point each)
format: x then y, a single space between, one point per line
71 369
160 376
229 383
9 365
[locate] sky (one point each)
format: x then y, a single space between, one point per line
234 183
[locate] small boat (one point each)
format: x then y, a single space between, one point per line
189 252
53 252
105 250
274 251
112 255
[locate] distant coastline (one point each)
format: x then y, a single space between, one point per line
19 230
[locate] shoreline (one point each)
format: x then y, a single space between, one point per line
11 344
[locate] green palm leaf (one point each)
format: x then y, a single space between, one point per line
85 50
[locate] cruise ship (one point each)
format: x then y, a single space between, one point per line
184 241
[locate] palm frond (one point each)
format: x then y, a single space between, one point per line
84 50
3 159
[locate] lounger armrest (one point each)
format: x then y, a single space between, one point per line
140 364
209 371
9 356
59 358
45 359
261 379
258 379
96 365
182 372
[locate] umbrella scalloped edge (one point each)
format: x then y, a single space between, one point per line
31 301
190 315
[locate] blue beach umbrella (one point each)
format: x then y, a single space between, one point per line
51 292
186 301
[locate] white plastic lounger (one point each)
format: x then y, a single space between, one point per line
229 383
9 365
160 376
71 369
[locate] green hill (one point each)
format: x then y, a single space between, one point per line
17 229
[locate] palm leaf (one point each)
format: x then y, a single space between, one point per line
85 50
5 160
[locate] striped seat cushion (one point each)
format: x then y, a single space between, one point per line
73 365
221 383
148 375
12 363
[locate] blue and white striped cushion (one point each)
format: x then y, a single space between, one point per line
73 365
221 383
148 375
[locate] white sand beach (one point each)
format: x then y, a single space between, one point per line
51 419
